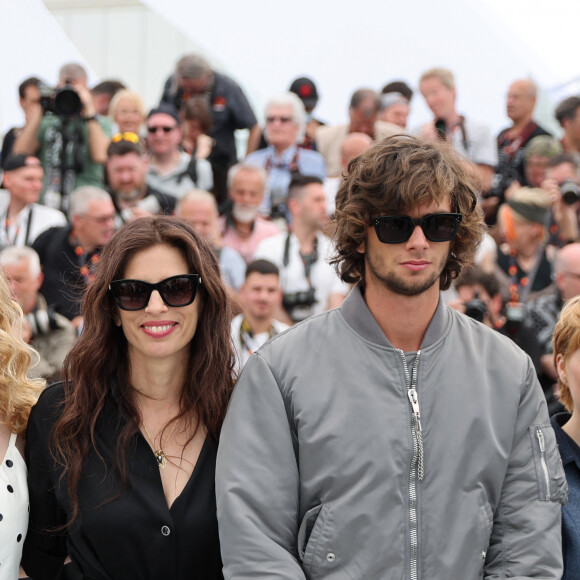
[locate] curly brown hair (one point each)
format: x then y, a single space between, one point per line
98 365
392 177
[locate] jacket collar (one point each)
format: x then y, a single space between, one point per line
569 451
357 314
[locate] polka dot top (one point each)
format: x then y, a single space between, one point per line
13 510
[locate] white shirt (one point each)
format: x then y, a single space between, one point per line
245 345
13 509
30 223
323 277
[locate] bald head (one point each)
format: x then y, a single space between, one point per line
567 271
200 209
352 146
521 100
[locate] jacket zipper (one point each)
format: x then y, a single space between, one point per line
542 443
416 472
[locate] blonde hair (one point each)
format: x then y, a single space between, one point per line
17 392
566 340
130 96
444 75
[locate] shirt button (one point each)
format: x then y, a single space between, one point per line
330 557
165 530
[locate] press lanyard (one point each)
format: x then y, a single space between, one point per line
7 228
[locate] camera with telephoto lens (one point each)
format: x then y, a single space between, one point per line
570 192
63 101
298 304
42 322
476 308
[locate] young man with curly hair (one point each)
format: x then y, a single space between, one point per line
392 437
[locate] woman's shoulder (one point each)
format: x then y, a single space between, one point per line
49 404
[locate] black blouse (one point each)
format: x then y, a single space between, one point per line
133 536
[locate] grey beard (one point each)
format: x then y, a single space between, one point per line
244 215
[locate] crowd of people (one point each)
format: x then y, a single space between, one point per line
344 276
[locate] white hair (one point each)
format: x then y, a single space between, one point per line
291 100
235 169
13 255
82 196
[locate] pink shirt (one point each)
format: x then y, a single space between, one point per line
247 246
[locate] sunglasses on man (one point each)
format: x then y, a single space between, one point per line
175 291
437 227
165 129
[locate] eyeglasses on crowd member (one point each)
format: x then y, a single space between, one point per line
122 453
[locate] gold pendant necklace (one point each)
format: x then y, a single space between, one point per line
159 454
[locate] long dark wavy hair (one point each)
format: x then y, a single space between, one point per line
392 177
98 365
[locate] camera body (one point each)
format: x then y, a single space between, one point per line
570 192
476 308
63 101
299 304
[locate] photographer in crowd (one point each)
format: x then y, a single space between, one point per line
69 254
24 218
28 95
49 333
309 283
511 142
479 297
230 111
562 186
283 159
260 295
126 176
67 135
545 310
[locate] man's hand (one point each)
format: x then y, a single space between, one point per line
86 99
565 216
27 142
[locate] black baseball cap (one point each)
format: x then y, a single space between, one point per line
306 91
14 162
166 109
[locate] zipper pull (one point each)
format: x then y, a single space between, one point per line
414 400
541 440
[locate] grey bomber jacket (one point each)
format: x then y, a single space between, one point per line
344 458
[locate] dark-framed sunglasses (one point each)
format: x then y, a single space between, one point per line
175 291
165 129
437 227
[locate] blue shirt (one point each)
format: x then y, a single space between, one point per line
280 171
570 453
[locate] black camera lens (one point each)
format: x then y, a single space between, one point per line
67 102
570 192
476 309
64 102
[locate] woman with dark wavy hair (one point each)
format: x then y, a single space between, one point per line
121 454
